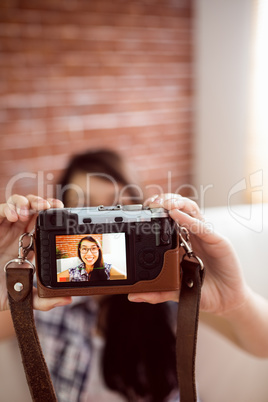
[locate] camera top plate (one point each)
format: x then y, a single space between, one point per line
136 208
103 214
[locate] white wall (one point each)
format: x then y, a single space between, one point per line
114 250
224 372
223 32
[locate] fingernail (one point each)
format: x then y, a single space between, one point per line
179 203
41 203
153 198
54 202
23 211
136 300
159 200
12 210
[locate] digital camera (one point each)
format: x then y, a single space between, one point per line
106 250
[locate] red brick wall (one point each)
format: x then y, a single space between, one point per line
78 74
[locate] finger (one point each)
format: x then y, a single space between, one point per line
150 200
204 230
37 203
25 206
20 208
185 205
8 212
40 204
154 297
16 208
176 201
55 203
158 200
46 304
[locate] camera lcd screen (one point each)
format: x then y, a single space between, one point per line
91 257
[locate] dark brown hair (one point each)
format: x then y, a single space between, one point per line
103 162
139 357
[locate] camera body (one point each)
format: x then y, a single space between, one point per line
106 250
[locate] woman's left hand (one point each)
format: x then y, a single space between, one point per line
224 288
17 216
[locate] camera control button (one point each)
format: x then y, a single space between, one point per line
87 220
46 278
45 242
148 258
165 238
118 219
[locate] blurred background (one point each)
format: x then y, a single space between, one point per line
167 83
179 88
78 75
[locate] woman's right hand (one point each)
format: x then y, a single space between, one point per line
18 216
224 288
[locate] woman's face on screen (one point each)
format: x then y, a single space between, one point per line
89 252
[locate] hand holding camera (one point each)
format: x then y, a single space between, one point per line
224 293
224 286
17 216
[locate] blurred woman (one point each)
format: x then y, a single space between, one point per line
107 348
132 345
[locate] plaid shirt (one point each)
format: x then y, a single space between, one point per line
79 273
65 337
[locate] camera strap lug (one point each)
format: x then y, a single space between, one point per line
23 252
184 237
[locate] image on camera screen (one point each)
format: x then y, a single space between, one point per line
91 257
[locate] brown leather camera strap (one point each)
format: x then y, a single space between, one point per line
20 285
187 326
